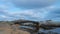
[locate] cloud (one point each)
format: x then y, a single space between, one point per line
3 16
31 14
54 14
43 10
33 3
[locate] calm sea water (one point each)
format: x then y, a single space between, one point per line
57 30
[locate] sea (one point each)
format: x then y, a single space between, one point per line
52 31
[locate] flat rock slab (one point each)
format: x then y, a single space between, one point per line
5 29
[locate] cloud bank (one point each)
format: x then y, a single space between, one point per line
29 4
29 9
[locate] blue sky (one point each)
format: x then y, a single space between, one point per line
30 9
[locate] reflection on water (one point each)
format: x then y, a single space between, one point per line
53 31
42 31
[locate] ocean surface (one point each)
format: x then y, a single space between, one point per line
56 30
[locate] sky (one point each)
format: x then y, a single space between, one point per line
30 10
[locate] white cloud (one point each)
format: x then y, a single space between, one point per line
32 13
3 16
37 13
